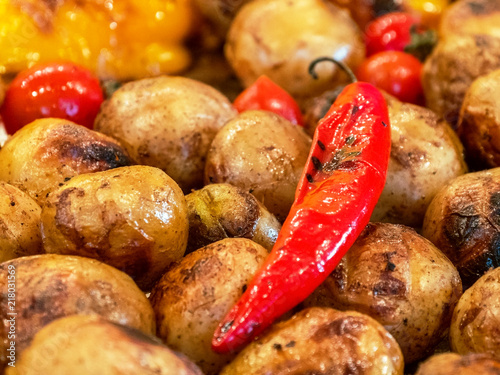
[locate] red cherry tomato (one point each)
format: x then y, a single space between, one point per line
62 90
266 95
390 32
396 72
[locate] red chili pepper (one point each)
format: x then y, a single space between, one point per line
266 95
341 183
62 90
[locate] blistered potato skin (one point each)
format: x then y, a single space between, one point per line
47 152
479 122
51 286
167 122
425 155
19 224
279 39
132 218
461 222
262 153
321 341
91 345
400 279
456 364
475 326
194 296
221 211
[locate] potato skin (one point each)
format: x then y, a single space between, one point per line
51 286
132 218
19 222
167 122
220 12
47 152
479 122
91 345
461 222
321 341
262 153
221 211
456 364
194 295
279 39
401 280
425 155
475 326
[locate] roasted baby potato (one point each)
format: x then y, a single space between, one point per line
479 122
195 294
50 286
280 39
401 280
321 341
462 222
46 153
92 345
221 211
19 222
456 364
425 155
132 218
167 122
456 61
262 153
475 326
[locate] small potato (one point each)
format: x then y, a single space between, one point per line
456 364
221 211
50 286
262 153
46 153
132 218
456 61
321 341
479 122
280 39
167 122
425 155
462 222
193 296
401 280
19 224
475 326
91 345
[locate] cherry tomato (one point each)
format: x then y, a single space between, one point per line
62 90
266 95
389 32
396 72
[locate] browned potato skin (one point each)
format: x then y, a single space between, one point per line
132 218
220 12
425 155
91 345
19 222
51 286
456 364
47 152
167 122
461 222
454 64
193 296
321 341
479 122
279 39
221 211
262 153
400 279
475 327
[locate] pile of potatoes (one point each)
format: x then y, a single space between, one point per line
123 247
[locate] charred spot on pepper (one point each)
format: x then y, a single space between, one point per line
309 178
321 145
384 124
355 110
350 140
317 164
